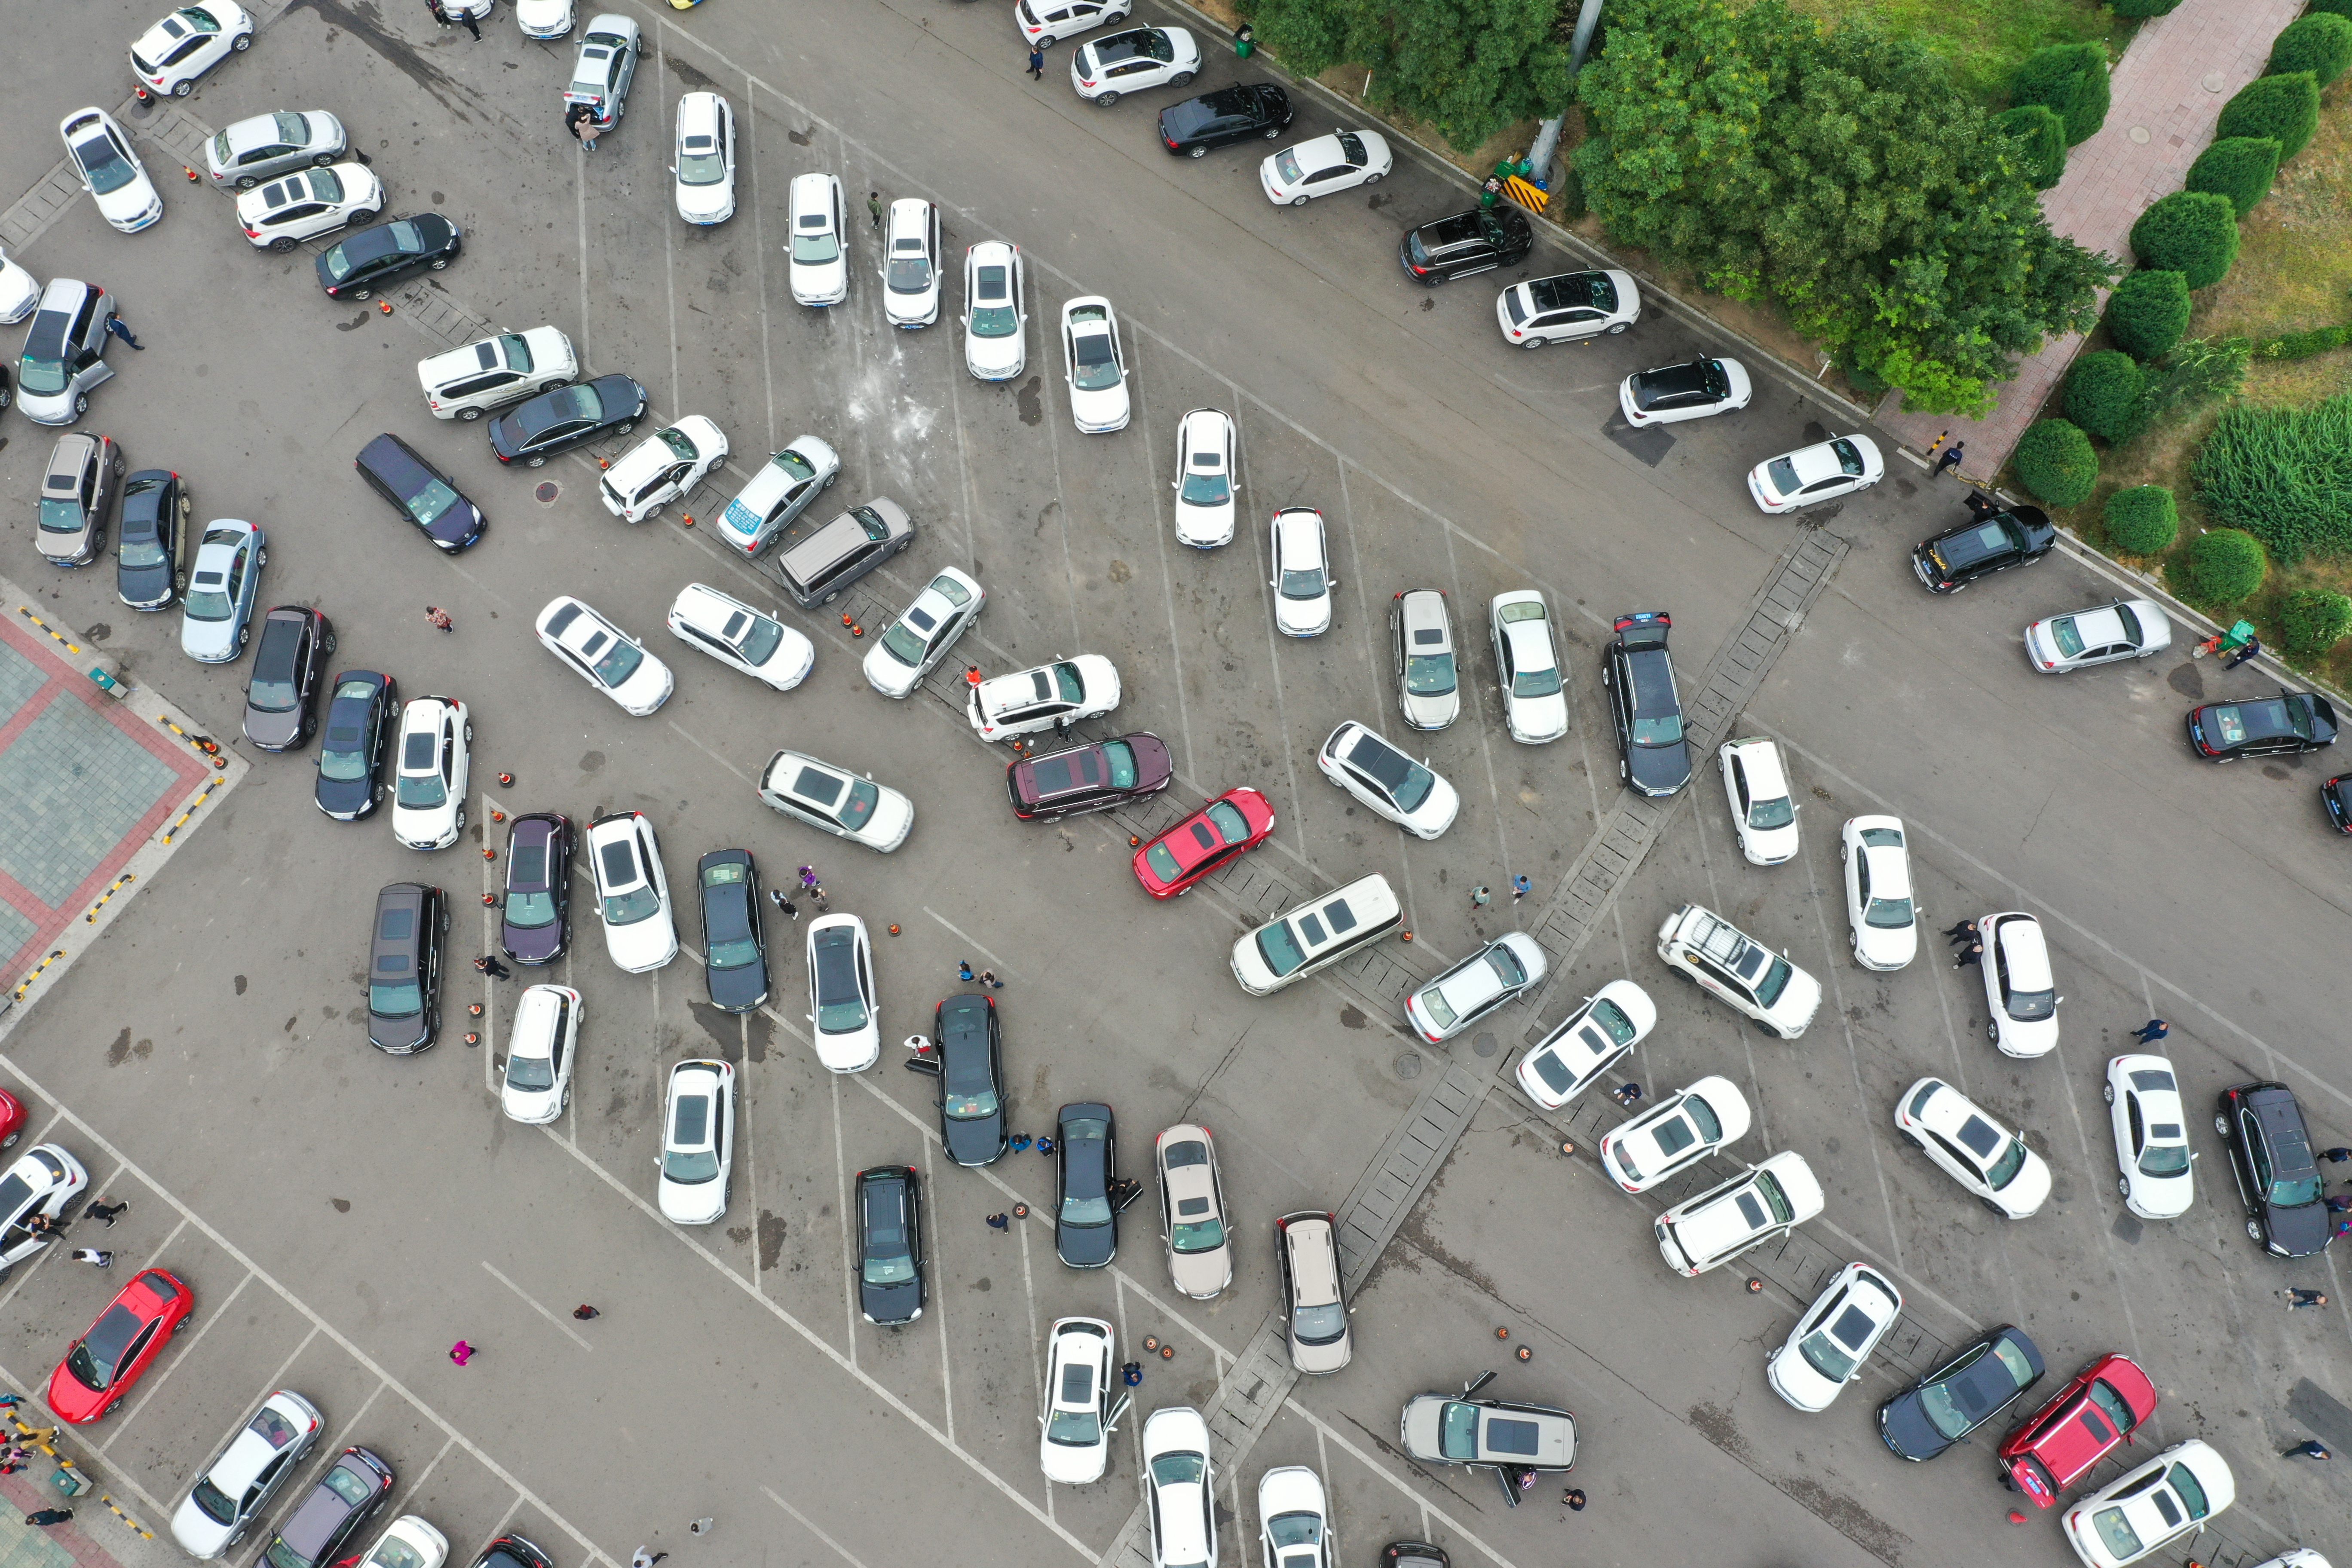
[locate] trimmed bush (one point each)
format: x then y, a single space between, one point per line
2148 312
2193 233
2313 620
2283 475
2284 108
2055 460
2333 7
2221 566
2238 167
2041 138
2103 394
2142 520
2071 79
2155 7
2318 43
2303 346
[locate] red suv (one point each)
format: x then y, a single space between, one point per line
2057 1444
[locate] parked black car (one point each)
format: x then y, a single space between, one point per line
889 1245
1085 1161
2290 724
2277 1175
1479 240
969 1064
363 710
1222 118
1092 777
513 1551
532 431
734 950
533 918
1958 557
404 993
281 700
1652 754
151 540
1984 1377
355 266
420 493
2335 795
344 1499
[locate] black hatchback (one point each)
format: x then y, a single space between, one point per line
1222 118
890 1246
419 492
734 953
1653 755
404 993
1479 240
557 421
354 268
2277 1174
281 700
969 1063
344 1499
1958 557
1086 1220
151 540
1984 1377
2284 725
361 708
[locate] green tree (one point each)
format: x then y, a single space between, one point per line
2238 167
2148 312
2071 79
2040 136
2055 460
2318 43
2221 566
1467 67
2313 620
2194 233
2157 8
2105 395
2284 108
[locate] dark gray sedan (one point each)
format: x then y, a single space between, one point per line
281 700
734 952
345 1499
1086 1219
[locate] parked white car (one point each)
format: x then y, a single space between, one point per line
20 291
543 19
780 491
1421 642
490 373
432 772
2151 1128
819 269
1675 1134
1674 393
1764 1202
1293 1519
2106 634
1881 916
1831 1342
1325 166
703 164
2144 1509
1409 794
246 1474
1763 809
169 57
1828 470
1776 995
1501 972
1050 697
1043 23
834 800
912 646
409 1542
662 467
307 202
698 1157
1569 308
1083 1400
1570 1058
844 1015
910 263
1968 1145
740 638
632 892
995 311
537 1085
1094 365
604 656
1302 581
108 169
1527 662
1204 479
2020 991
1105 69
1181 1486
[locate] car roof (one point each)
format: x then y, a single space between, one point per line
1760 761
697 114
2028 954
69 458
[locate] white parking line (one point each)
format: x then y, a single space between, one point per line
1831 966
939 1303
669 242
995 962
848 1258
811 1526
1261 548
751 1136
560 1327
760 253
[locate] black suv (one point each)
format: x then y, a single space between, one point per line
151 540
1479 240
970 1066
404 993
1993 542
377 257
361 713
419 492
281 700
2277 1175
734 953
1652 754
890 1246
1222 118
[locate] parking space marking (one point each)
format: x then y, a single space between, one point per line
499 1529
1324 1430
848 1257
31 1268
1262 548
416 1484
751 1142
187 1351
1061 504
939 1272
964 935
580 189
812 1527
1831 966
760 252
669 239
570 1334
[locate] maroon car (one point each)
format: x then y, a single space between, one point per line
1092 777
532 926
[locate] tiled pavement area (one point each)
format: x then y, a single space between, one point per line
66 1545
2167 94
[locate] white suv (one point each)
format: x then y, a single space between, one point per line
466 382
1973 1149
1763 812
1180 1488
1050 697
431 773
538 1082
995 311
662 467
697 1162
1082 1408
819 268
910 263
1881 915
1762 1202
632 892
2019 990
1104 69
1827 1348
1406 793
1701 945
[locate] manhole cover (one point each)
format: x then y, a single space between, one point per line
546 492
1408 1065
1485 1044
2213 81
2138 133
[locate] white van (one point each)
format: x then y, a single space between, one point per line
1324 930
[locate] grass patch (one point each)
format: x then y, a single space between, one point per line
1983 40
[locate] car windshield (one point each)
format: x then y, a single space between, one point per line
690 1168
145 550
1074 1428
993 314
1778 812
1319 1325
1457 1430
1782 473
737 953
619 662
1295 1529
208 604
1305 583
909 275
60 516
1278 946
685 1160
967 1105
1943 1411
1659 726
858 809
531 1074
2184 1483
628 908
431 501
394 1553
2164 1159
1536 683
396 998
1441 1011
103 163
43 367
1775 980
2295 1191
1094 364
1162 862
820 250
1207 489
1179 1469
701 168
2116 1534
422 792
215 1504
889 1263
529 912
906 644
1197 1235
2063 632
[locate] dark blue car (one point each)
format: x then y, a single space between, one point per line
420 493
890 1246
1086 1220
361 708
1984 1378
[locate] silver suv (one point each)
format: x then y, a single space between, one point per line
65 352
269 145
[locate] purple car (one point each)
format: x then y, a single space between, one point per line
1095 776
538 887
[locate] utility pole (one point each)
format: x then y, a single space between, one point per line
1545 151
1587 20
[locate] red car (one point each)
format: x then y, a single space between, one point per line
1232 825
12 1118
101 1366
2057 1444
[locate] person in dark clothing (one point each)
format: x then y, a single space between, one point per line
488 964
1950 460
1132 1373
1036 63
105 1213
2253 646
121 328
1962 931
45 1517
1972 954
2154 1029
471 26
2335 1157
584 1312
2297 1296
1000 1222
2309 1448
1981 506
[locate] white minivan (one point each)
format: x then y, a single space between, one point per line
1324 930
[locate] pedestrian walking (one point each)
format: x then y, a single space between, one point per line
1521 886
776 896
584 1312
1019 1142
92 1254
2296 1295
121 328
45 1517
580 120
700 1526
808 877
1950 460
2309 1448
1972 954
2154 1029
1037 69
2335 1157
2253 646
964 970
644 1559
1628 1095
1962 931
1044 1145
471 26
816 895
438 618
488 964
1000 1222
1574 1498
1481 896
988 978
1132 1374
874 206
461 1353
105 1212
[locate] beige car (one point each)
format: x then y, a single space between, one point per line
1193 1212
1314 1305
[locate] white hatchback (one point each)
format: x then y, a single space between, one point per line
995 311
1180 1489
1104 69
1409 794
2019 988
1526 663
109 171
834 800
696 1162
911 646
1050 697
1585 1044
1569 308
1302 582
780 491
662 467
1675 1134
1094 365
2151 1128
490 373
819 267
282 213
910 263
2106 634
703 164
1968 1145
1881 916
431 773
1840 466
1045 22
1293 1519
1765 1201
1204 479
844 1015
1700 945
1763 811
169 57
1827 1348
1082 1410
632 892
1325 166
740 638
538 1082
19 291
604 656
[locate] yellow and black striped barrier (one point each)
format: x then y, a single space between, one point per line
1525 195
193 807
204 744
54 634
27 982
38 1437
91 919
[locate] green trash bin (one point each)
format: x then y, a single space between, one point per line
1244 44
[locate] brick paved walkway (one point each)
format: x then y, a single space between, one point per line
63 1545
2168 92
